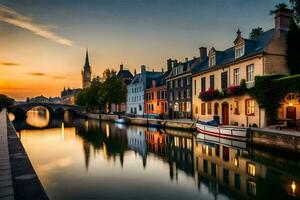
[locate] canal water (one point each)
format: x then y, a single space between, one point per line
86 159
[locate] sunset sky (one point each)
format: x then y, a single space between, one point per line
43 42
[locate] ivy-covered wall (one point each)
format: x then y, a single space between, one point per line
269 91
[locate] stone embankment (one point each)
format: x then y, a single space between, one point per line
18 179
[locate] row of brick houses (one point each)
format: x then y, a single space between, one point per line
176 93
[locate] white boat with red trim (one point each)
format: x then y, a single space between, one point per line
227 132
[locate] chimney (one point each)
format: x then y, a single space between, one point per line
203 53
186 59
175 63
143 68
162 70
153 70
134 72
169 64
282 19
121 67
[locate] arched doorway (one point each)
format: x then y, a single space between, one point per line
225 113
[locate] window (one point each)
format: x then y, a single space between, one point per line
250 168
224 80
216 109
212 60
196 109
239 51
205 166
237 181
188 80
176 83
176 108
140 108
250 73
181 82
236 76
182 106
236 108
209 108
213 170
250 107
188 107
188 93
195 87
212 82
226 176
251 187
203 108
158 94
203 86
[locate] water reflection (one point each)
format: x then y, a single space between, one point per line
84 159
38 117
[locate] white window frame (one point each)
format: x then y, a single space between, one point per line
236 76
239 51
250 73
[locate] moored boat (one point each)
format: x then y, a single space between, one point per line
121 121
227 132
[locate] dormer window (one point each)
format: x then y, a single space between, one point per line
239 51
212 60
239 45
212 57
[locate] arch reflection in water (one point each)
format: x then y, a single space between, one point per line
11 116
38 117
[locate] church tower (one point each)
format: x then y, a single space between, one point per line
86 72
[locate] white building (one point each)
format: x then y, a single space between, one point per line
136 91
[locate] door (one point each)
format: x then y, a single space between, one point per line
291 115
225 113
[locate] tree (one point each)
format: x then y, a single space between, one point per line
280 6
296 8
114 90
5 101
255 33
293 48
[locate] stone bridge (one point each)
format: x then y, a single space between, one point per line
20 110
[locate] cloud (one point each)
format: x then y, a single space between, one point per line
37 74
47 75
12 17
9 64
58 77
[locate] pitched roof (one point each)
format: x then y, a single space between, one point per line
252 47
125 74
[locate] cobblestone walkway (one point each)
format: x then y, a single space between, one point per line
6 186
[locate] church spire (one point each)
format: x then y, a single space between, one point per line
87 63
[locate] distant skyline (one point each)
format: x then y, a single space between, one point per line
43 42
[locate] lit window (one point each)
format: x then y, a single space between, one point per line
250 168
203 108
250 73
236 107
239 51
209 108
250 104
236 76
188 107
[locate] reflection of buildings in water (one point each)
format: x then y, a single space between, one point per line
38 117
137 141
222 165
87 153
104 139
178 151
